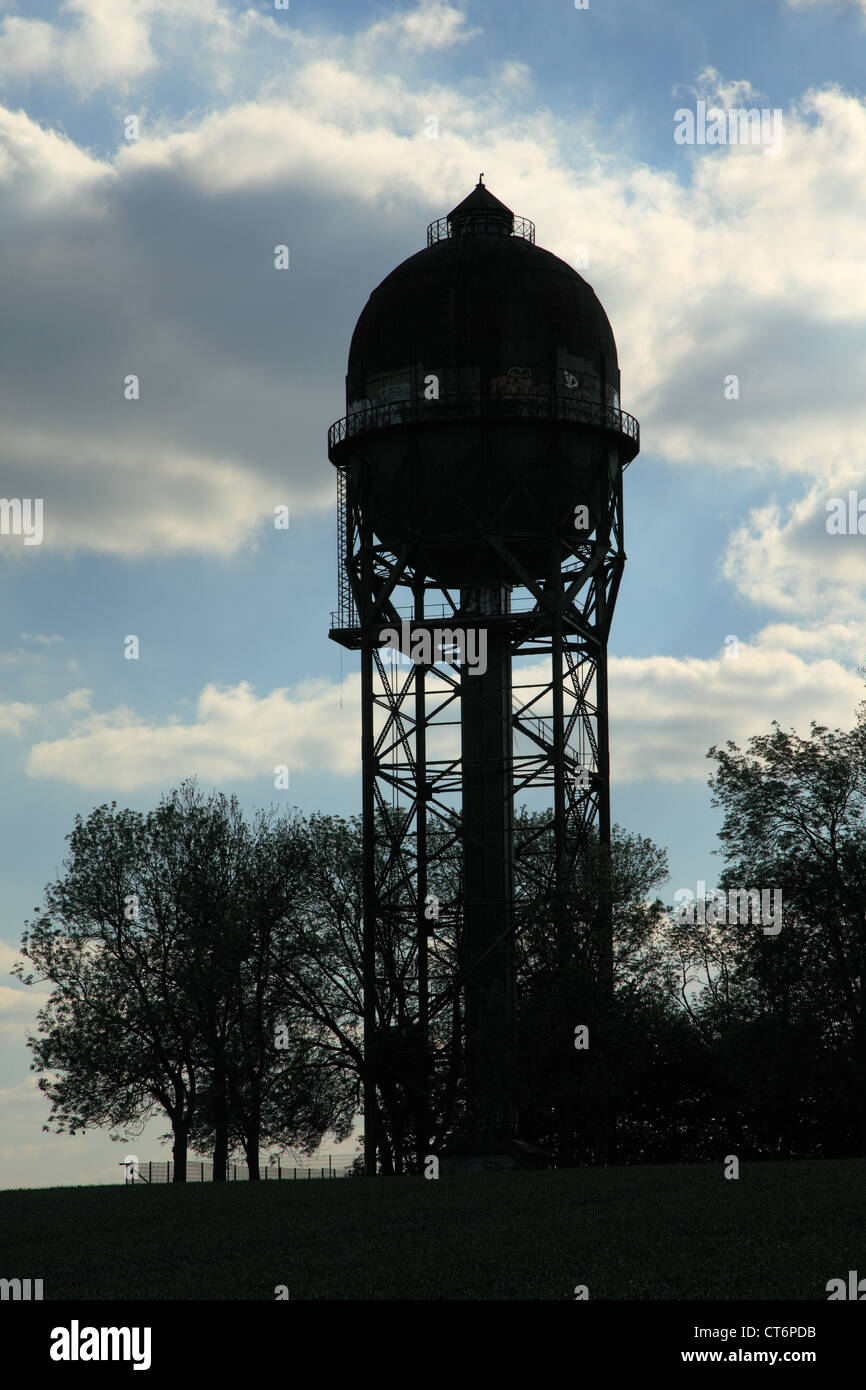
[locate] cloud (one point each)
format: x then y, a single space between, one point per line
432 25
18 1010
784 557
8 957
51 1159
107 42
710 87
120 45
236 735
16 714
735 263
26 656
827 4
117 44
665 712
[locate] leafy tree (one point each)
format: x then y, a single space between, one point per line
566 1087
165 940
115 1038
779 1015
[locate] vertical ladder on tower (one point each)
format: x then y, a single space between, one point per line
346 614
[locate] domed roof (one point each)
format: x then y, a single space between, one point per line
482 299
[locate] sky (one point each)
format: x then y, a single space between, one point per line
153 153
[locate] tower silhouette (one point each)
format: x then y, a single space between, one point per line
479 471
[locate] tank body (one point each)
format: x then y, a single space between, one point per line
498 363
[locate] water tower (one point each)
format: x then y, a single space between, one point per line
479 470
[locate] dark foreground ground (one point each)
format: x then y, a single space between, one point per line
778 1232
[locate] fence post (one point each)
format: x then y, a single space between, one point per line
149 1170
266 1172
279 1172
167 1172
294 1172
330 1167
201 1179
309 1172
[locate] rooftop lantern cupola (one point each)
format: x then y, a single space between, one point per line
480 214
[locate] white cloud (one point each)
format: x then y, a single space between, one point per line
108 41
15 715
711 87
827 4
747 264
236 735
843 641
786 559
52 1159
117 43
665 711
434 24
18 1010
47 169
8 957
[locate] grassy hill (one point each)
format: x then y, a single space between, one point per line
780 1231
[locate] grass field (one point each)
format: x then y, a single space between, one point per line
780 1231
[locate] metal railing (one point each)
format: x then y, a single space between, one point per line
202 1171
522 406
494 225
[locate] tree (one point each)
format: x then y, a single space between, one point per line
324 979
573 1044
166 940
116 1039
795 821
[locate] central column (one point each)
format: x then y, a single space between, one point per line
488 871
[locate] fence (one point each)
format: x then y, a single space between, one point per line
199 1171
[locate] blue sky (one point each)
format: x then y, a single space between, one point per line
154 256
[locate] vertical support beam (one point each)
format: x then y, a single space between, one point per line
423 1109
565 1107
606 1133
488 875
560 796
368 806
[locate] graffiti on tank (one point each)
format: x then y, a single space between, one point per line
585 386
518 381
393 392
